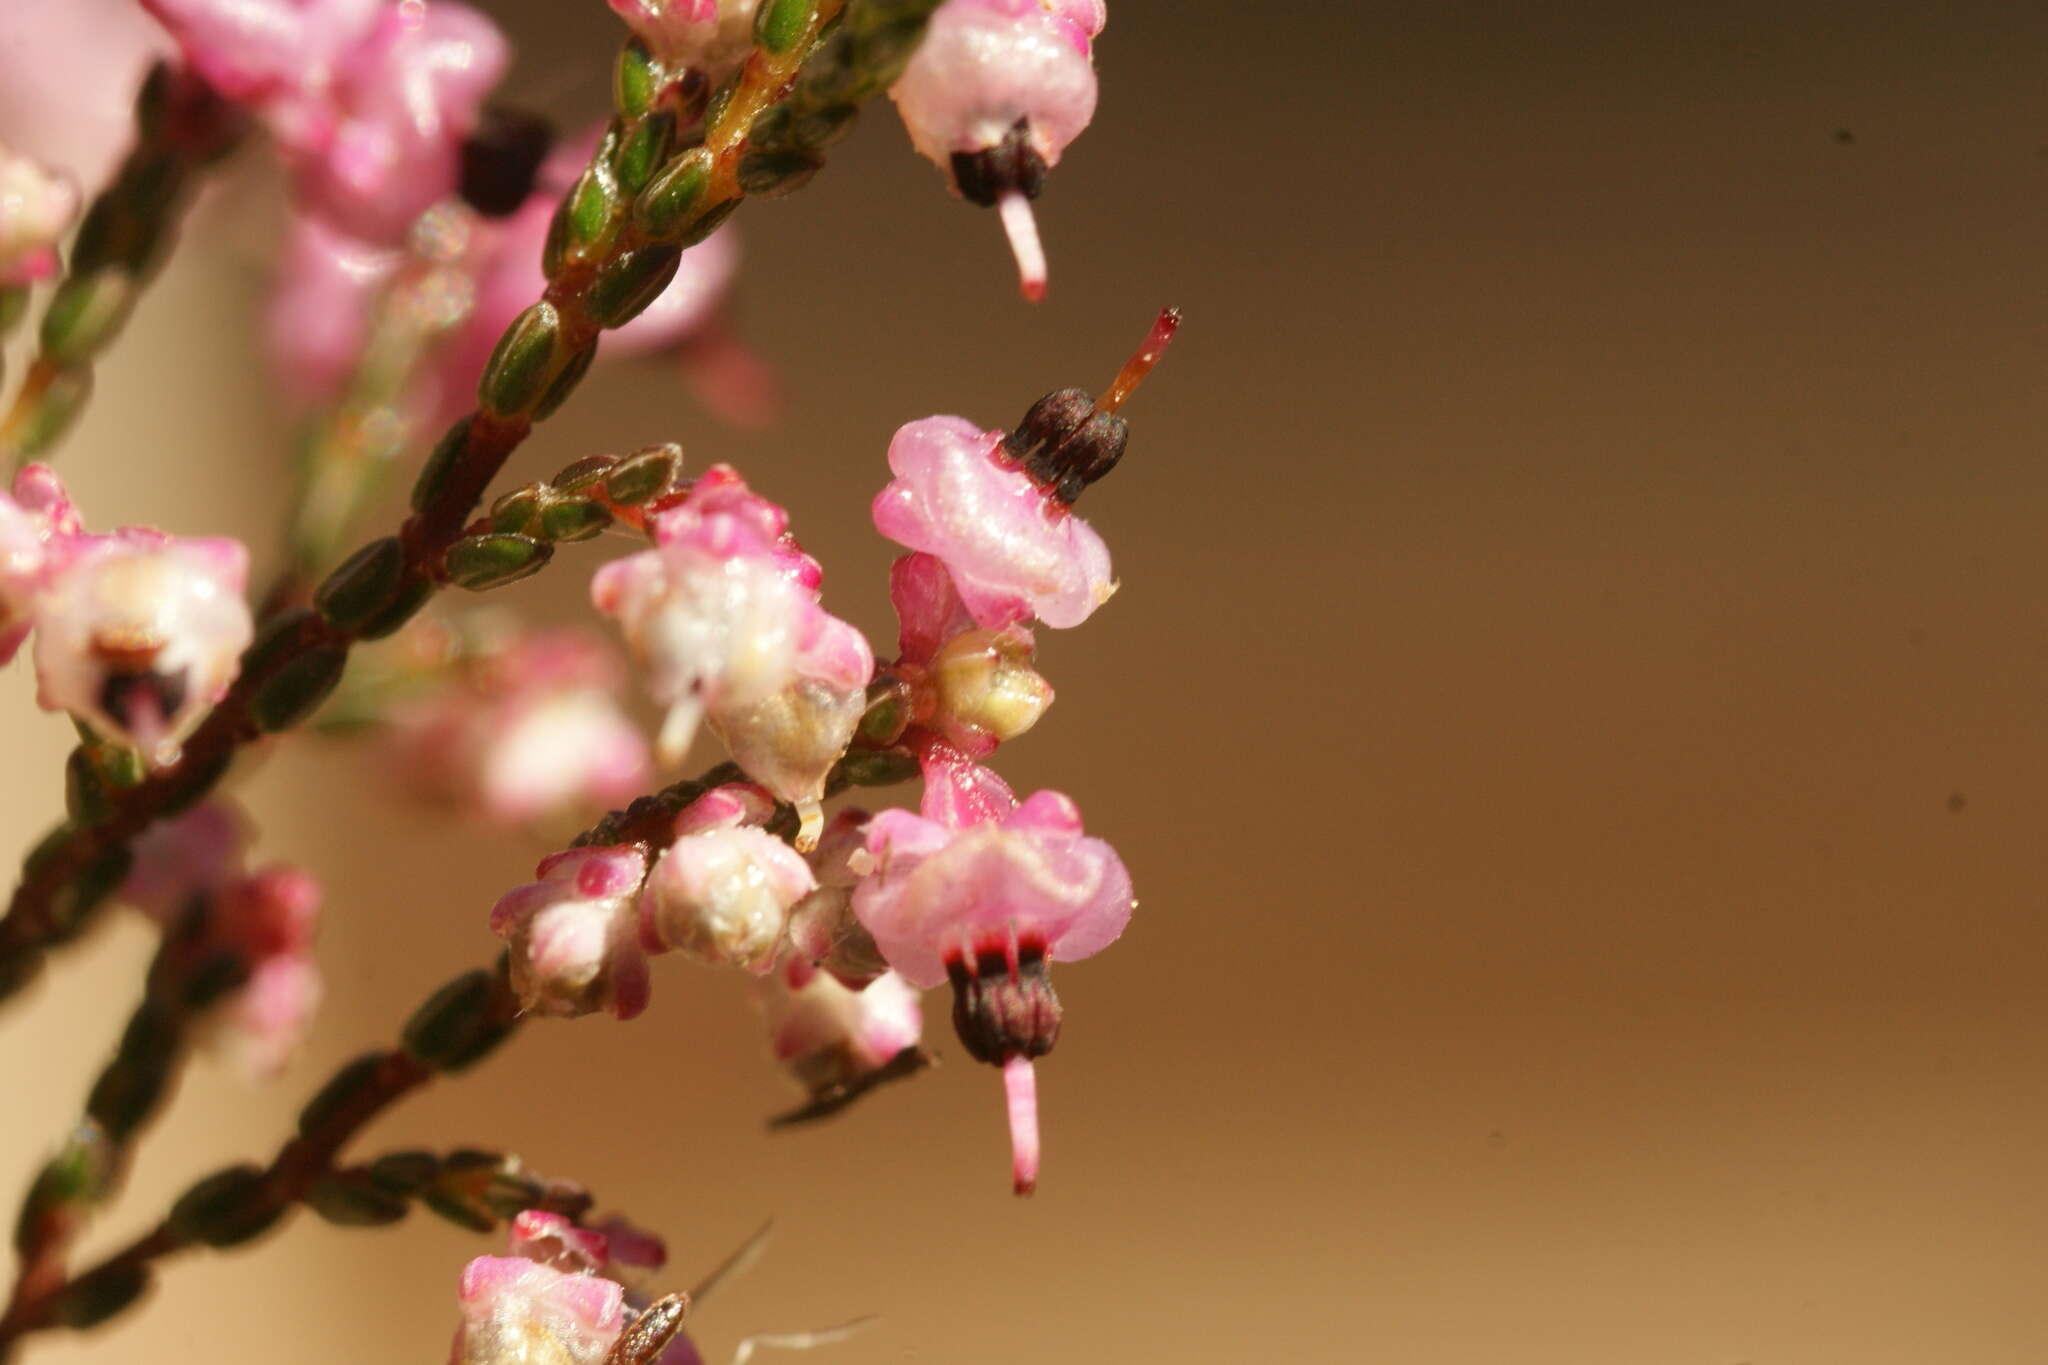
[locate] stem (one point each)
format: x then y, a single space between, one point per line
181 127
608 237
454 1028
291 1173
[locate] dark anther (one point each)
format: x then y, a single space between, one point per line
1065 444
120 693
1011 165
502 159
1001 1013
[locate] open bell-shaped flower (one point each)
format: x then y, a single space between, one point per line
994 95
986 900
39 530
574 935
996 507
139 634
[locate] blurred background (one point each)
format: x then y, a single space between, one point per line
1574 713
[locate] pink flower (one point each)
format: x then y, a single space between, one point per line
318 318
521 1312
714 36
69 70
192 866
831 1037
36 207
403 99
573 934
196 853
1014 553
138 634
996 508
723 889
255 51
986 900
39 530
1028 884
558 1298
532 727
723 615
994 95
268 919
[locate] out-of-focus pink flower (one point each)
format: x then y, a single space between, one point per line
723 615
528 729
318 317
39 531
267 52
265 920
138 634
713 36
69 70
196 853
1013 551
1030 882
830 1036
574 934
268 920
986 903
403 100
993 96
36 207
520 1312
722 891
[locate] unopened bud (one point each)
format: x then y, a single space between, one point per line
984 679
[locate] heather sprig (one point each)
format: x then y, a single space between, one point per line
610 253
182 126
424 223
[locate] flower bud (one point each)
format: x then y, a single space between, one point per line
572 934
723 896
36 206
985 683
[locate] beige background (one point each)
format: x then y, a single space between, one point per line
1574 713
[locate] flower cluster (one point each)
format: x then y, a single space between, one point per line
137 633
976 889
190 877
